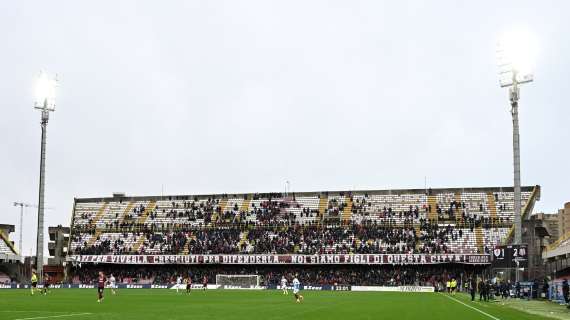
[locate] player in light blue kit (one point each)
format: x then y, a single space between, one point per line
296 289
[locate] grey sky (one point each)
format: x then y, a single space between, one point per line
239 96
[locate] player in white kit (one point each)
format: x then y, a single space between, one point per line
284 285
113 284
296 289
178 283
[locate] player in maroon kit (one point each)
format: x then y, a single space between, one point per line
45 290
188 284
205 282
100 286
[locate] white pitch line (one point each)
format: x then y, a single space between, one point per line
42 311
58 316
468 306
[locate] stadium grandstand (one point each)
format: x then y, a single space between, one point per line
415 127
556 257
9 258
404 237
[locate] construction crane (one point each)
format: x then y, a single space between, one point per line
23 205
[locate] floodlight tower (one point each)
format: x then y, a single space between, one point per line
45 101
516 53
21 205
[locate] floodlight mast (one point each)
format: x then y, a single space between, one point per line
514 98
511 77
21 205
46 103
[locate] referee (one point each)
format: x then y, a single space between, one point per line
34 281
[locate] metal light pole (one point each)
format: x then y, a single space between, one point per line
514 97
514 60
21 205
46 103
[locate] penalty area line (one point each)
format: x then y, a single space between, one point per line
57 316
471 307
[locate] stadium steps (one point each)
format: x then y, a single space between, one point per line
99 215
10 244
418 233
243 238
347 211
94 238
222 204
492 205
128 209
458 216
479 239
432 202
147 210
525 212
187 245
323 204
139 243
245 205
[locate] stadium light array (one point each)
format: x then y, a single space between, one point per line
516 54
45 92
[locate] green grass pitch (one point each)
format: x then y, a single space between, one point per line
241 304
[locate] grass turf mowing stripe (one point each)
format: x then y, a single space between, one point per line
468 306
142 304
58 316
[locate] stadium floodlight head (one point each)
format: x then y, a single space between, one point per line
45 87
516 52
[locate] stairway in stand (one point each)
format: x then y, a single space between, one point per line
189 237
432 214
98 232
347 211
94 238
243 239
458 211
323 204
147 211
418 233
139 243
245 205
99 215
222 204
128 210
479 239
492 205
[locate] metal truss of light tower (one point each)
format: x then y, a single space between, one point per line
45 101
515 55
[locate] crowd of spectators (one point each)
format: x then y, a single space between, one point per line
277 212
271 275
297 239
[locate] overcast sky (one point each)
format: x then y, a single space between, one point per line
240 96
